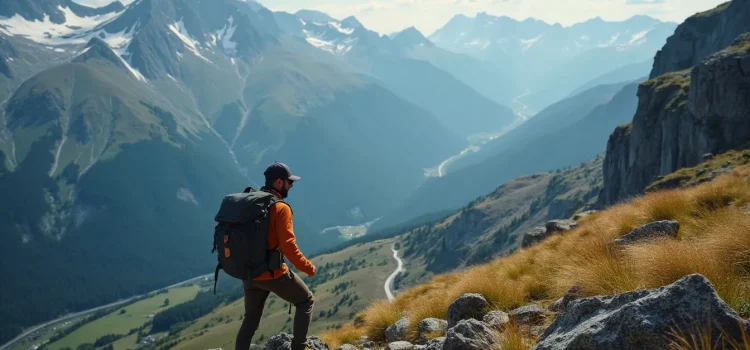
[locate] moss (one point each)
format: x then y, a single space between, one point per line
679 82
715 11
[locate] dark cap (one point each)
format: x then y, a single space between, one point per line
279 171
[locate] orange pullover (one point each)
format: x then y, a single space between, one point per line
281 234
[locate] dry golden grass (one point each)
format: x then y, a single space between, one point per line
700 338
347 334
714 240
514 338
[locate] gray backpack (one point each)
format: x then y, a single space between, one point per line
241 236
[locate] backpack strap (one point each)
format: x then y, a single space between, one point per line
216 276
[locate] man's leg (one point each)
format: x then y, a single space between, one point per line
293 290
255 299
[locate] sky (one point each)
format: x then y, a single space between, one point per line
388 16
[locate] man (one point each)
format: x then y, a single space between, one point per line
289 287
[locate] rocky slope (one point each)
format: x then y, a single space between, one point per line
681 116
702 35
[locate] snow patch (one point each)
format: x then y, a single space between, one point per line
482 44
59 50
225 35
639 38
303 22
184 194
75 30
341 29
179 29
528 43
612 40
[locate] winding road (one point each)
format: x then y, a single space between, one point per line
389 280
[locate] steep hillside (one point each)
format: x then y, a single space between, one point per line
494 224
681 116
577 282
576 143
702 35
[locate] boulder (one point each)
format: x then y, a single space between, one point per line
470 305
400 345
708 156
657 229
701 171
347 347
434 344
553 226
430 325
643 319
496 319
527 315
562 303
535 236
397 331
470 334
283 341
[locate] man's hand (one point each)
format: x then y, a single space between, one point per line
315 270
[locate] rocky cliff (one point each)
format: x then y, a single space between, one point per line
702 35
681 116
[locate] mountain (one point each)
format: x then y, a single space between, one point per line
553 118
122 132
457 105
58 11
551 61
681 117
630 72
577 142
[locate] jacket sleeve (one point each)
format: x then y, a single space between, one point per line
287 241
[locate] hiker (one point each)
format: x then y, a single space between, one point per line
280 281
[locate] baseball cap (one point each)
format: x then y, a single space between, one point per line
279 170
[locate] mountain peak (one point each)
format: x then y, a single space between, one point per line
36 10
411 37
97 48
351 22
314 16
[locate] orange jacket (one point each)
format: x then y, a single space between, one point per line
281 234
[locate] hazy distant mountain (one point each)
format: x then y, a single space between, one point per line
447 95
551 60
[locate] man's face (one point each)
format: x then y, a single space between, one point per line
283 186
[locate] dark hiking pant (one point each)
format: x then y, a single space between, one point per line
291 289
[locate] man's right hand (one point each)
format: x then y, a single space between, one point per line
314 271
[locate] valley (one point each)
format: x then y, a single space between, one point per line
493 159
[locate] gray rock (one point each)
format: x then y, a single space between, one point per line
470 335
527 315
283 341
429 325
643 319
496 319
397 331
347 347
561 304
535 236
583 214
553 226
365 342
400 345
419 347
701 171
435 344
649 231
708 156
470 305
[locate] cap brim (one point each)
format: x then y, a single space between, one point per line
295 178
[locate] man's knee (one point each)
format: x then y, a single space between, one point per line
307 303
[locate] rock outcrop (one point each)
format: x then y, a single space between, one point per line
400 345
540 233
430 325
657 229
701 35
643 319
283 341
496 319
470 305
527 315
397 331
470 334
680 117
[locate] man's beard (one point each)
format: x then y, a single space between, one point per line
283 192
